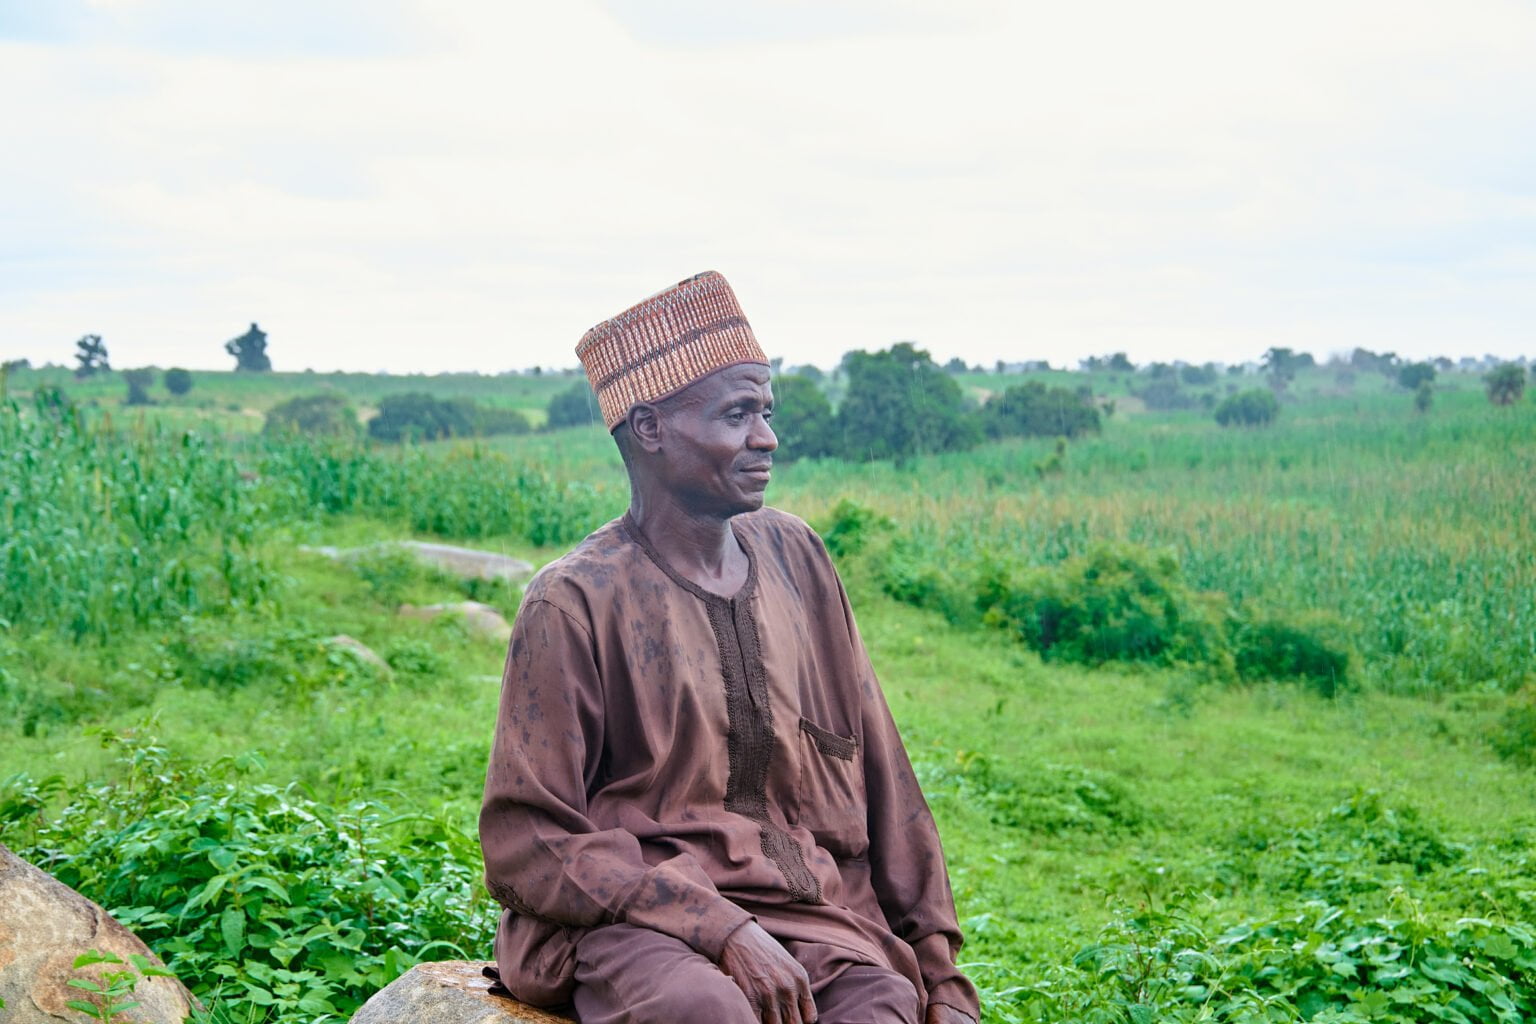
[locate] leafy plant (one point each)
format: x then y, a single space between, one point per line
110 995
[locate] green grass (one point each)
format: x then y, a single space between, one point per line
1091 817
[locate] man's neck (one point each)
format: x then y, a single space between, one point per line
703 548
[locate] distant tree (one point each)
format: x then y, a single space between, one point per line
91 354
1281 365
1002 367
138 381
1120 363
1165 395
315 415
1032 409
1161 371
899 403
955 365
11 365
811 373
573 407
418 416
1253 408
250 350
1411 375
1423 396
1505 384
1198 376
803 419
178 381
1093 364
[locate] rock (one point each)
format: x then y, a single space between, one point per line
44 925
448 992
481 619
364 653
465 563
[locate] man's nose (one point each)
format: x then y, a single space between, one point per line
762 437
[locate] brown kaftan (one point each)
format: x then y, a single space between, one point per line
675 760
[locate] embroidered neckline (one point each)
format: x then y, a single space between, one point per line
627 522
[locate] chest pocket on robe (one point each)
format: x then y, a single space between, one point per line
831 798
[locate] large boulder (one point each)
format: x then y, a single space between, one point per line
44 925
464 563
448 992
482 619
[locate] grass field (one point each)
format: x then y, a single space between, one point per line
1128 842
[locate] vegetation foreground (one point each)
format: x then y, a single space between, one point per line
1217 725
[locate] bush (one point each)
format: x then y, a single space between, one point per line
1276 649
1253 408
1411 375
1118 603
138 381
1033 410
1165 396
178 381
1505 384
851 526
573 407
418 416
1514 736
314 415
264 901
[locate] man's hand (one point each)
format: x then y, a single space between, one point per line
938 1013
772 980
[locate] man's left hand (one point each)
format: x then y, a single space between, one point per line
938 1013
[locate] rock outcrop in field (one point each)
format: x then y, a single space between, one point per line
449 992
44 926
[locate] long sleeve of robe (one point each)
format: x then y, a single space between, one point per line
678 761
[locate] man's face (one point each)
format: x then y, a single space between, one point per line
717 443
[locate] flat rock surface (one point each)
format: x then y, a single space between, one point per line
480 618
447 992
465 563
44 925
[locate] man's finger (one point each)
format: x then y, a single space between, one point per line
807 1005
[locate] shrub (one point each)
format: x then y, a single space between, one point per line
260 898
1033 410
1117 603
1514 735
138 381
178 381
418 416
1255 407
851 526
315 415
1276 649
1165 395
573 407
1505 384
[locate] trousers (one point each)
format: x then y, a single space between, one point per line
629 975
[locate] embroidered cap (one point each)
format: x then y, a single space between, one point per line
658 347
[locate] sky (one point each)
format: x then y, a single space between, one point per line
431 185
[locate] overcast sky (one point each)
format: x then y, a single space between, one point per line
425 186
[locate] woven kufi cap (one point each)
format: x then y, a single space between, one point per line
658 347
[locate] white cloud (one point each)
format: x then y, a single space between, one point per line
472 185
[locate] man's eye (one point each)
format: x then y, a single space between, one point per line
767 414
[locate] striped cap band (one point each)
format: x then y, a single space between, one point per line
658 347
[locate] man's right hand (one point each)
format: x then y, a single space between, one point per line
773 981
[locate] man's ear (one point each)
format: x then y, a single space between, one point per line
645 425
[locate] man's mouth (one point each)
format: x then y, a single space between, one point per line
763 470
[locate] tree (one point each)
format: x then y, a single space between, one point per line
1282 364
802 419
572 407
1505 384
418 416
1253 408
1423 397
900 403
955 365
250 350
1411 375
1033 410
178 381
315 415
138 381
91 354
1121 363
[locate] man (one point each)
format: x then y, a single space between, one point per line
698 808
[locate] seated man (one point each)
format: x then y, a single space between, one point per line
698 808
